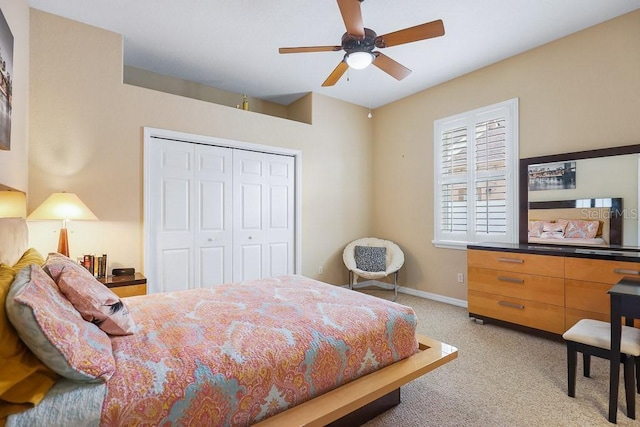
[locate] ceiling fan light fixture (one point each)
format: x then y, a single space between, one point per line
359 60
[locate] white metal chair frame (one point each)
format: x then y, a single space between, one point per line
393 262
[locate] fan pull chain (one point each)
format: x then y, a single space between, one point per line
370 115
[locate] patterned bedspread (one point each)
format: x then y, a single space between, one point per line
238 353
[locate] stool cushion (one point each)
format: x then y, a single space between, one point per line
598 334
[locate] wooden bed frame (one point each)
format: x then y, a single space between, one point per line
351 404
379 386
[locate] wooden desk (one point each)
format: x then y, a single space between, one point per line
625 301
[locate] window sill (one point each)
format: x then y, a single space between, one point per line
450 245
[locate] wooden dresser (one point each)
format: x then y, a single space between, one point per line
549 289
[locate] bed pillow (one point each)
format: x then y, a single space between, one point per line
371 258
54 331
93 300
25 379
535 228
553 230
581 229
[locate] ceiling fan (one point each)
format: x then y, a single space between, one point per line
358 43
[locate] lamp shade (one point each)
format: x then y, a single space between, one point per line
63 206
13 204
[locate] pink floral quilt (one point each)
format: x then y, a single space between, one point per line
235 354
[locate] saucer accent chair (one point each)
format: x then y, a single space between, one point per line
593 338
371 258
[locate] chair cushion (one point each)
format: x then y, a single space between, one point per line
394 258
371 258
598 334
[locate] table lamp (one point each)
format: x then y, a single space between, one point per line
13 204
62 206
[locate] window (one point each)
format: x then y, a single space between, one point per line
476 174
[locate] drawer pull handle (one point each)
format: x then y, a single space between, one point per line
511 305
510 279
512 260
623 271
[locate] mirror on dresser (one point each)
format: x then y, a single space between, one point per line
592 177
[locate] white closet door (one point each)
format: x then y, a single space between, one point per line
213 201
171 188
216 215
263 211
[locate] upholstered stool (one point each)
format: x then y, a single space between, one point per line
593 338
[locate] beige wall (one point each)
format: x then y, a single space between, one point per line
14 172
150 80
577 93
86 137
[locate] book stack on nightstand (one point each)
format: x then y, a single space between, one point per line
126 286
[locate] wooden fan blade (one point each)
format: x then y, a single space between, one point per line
412 34
336 74
352 17
309 49
391 67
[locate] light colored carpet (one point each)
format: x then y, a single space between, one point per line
501 377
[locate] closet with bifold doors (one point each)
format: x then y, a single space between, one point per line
216 214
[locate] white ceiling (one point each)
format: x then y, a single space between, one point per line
233 44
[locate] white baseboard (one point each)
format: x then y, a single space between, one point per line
435 297
423 294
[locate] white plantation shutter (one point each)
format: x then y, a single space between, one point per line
491 207
454 151
454 207
490 179
476 157
453 200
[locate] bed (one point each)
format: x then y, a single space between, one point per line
585 222
279 351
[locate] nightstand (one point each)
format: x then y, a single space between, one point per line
126 286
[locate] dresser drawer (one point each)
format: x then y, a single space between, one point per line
529 287
546 317
522 263
574 315
598 270
588 296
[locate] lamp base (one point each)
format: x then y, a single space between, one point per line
63 243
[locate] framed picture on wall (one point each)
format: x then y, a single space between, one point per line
552 176
6 85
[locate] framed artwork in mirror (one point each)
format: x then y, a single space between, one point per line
6 82
552 176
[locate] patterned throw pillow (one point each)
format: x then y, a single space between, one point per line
54 331
371 258
553 230
93 300
581 229
25 378
535 228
